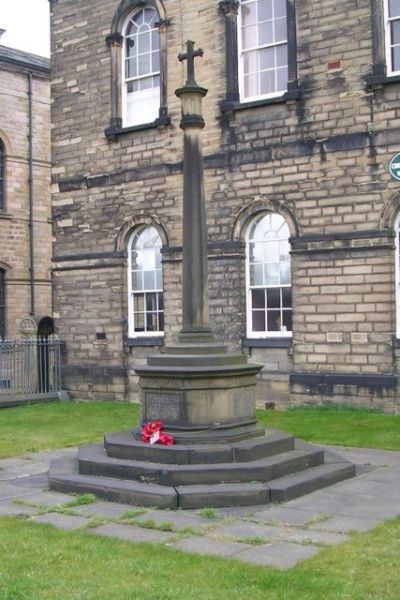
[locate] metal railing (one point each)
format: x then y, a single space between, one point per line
30 367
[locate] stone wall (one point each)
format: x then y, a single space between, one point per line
318 156
15 67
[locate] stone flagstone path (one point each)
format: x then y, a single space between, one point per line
275 535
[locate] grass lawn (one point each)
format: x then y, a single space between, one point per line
38 562
58 425
47 564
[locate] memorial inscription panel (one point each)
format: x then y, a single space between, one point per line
163 406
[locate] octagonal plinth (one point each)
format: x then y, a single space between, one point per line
200 397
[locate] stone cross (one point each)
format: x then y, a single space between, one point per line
190 55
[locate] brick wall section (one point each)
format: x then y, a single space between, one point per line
14 229
322 157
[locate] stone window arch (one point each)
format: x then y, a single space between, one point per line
138 47
268 276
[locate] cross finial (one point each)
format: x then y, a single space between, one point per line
190 55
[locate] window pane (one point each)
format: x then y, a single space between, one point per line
264 10
265 33
250 62
139 322
267 82
258 298
396 58
131 68
280 30
258 320
161 321
151 302
249 14
250 85
274 298
394 8
271 251
279 8
285 272
256 275
138 301
149 280
160 301
155 40
267 58
249 37
281 55
159 279
144 64
274 320
286 297
144 41
287 320
271 274
256 252
284 249
146 83
155 61
281 79
395 29
137 281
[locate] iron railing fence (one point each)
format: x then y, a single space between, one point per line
30 367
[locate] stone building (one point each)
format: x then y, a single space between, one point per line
25 226
302 121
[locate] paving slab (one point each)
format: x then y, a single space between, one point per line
38 481
9 490
243 530
9 508
342 524
281 555
348 505
61 521
179 519
131 533
104 509
201 545
48 498
286 515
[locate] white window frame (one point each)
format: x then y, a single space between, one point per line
388 40
131 292
249 307
397 272
145 96
242 52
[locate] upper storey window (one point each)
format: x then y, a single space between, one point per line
141 68
263 49
392 37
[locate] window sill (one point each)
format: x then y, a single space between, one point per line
232 106
157 340
113 132
377 81
4 215
278 342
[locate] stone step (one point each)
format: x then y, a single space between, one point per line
295 485
64 478
124 445
195 360
223 494
93 460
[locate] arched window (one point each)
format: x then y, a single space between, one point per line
145 287
141 68
2 303
2 176
263 49
269 292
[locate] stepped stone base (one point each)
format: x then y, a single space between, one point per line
272 467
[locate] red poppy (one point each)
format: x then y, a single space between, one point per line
149 429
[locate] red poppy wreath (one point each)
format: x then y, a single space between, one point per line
151 433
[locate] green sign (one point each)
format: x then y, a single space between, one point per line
394 166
